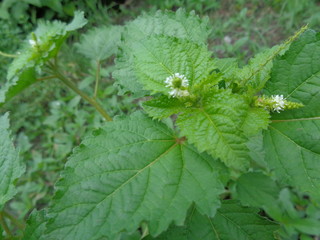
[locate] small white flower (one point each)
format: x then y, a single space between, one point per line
32 42
178 84
278 103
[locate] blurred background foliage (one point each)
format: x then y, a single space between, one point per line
48 120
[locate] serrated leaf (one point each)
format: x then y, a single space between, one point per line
256 119
215 127
228 67
159 57
35 226
77 22
131 171
42 45
10 166
296 76
292 141
231 222
17 85
100 43
256 74
163 107
179 25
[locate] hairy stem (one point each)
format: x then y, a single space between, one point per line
8 55
97 79
14 220
92 101
4 225
47 77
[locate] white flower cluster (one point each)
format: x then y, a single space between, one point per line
278 103
178 84
32 42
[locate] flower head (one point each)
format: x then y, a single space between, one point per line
178 84
278 103
32 42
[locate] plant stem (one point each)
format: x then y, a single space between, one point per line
97 80
8 55
47 77
92 101
4 225
14 220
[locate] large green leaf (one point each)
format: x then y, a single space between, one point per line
10 166
131 171
41 46
231 222
293 153
215 127
179 25
100 43
296 75
292 141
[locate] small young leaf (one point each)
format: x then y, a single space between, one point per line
231 222
10 166
41 46
215 127
131 171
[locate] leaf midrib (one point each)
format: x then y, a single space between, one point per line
116 190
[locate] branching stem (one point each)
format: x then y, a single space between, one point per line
14 220
71 85
4 225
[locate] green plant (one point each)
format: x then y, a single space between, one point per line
221 152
